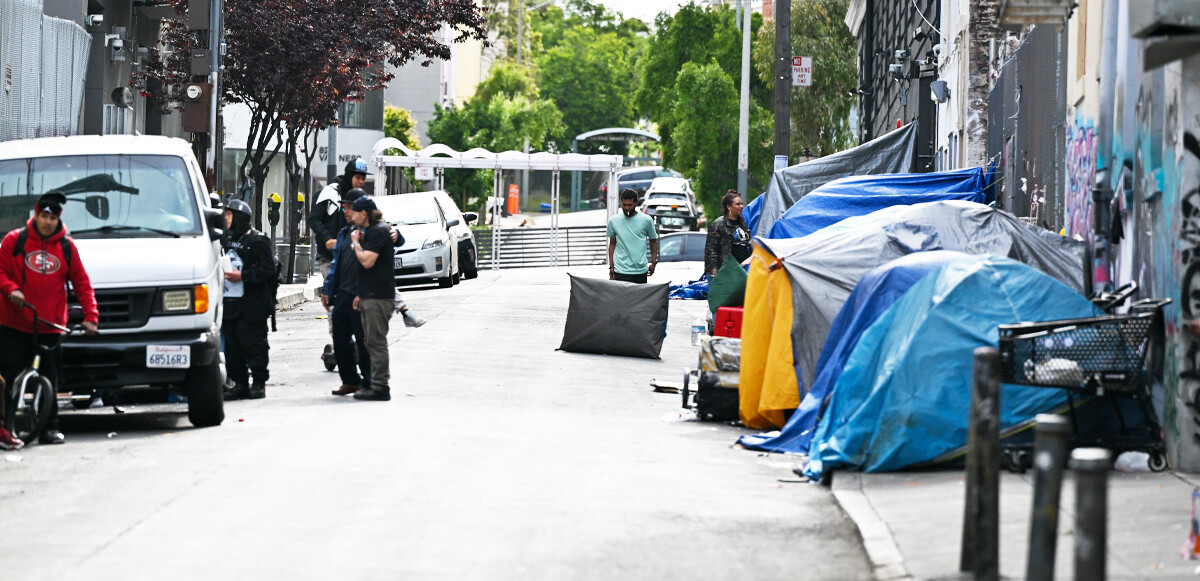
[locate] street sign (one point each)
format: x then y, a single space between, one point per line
424 174
801 71
781 162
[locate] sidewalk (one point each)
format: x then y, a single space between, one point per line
290 295
911 523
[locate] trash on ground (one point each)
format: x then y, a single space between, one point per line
666 386
681 415
1132 461
118 409
13 457
112 434
410 394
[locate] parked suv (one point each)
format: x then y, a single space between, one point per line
140 216
672 204
638 179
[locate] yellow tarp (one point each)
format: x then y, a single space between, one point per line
767 382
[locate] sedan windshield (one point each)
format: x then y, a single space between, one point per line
107 195
666 197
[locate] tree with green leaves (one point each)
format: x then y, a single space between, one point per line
820 113
690 79
398 123
505 110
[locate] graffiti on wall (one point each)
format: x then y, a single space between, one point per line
1081 171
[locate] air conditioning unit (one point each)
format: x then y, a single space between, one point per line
1151 18
1018 14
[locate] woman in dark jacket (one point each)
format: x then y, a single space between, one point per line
727 235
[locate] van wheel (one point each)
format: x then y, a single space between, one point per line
206 404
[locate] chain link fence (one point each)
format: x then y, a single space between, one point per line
43 62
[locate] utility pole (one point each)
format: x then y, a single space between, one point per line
744 108
783 77
331 171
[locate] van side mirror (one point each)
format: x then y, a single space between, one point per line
470 217
452 222
97 206
215 220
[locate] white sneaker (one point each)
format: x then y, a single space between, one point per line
412 319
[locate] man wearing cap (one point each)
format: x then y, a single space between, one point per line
37 262
376 300
327 216
337 295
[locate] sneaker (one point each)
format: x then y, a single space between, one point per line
373 395
412 319
52 436
8 442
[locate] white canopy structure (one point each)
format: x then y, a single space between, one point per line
439 157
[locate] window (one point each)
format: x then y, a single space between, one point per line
672 246
130 194
365 114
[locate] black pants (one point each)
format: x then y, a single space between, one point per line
638 278
16 353
246 347
347 325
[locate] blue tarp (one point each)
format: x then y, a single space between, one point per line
904 393
876 291
861 195
692 290
890 153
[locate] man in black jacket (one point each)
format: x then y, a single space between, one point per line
327 218
247 303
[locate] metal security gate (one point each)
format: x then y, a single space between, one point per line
532 247
43 62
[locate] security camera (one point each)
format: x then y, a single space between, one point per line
937 49
896 70
95 19
902 54
117 44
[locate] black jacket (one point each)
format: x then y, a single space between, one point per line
258 268
324 223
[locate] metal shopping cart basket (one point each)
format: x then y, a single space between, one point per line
1102 359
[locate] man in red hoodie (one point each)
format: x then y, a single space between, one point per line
38 274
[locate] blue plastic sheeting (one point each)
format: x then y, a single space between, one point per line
861 195
693 290
876 291
890 153
905 391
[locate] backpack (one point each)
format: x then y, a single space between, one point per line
19 250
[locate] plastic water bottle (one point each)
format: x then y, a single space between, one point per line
699 328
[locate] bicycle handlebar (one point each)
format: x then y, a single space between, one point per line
67 330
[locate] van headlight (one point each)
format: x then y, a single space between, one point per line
436 242
183 301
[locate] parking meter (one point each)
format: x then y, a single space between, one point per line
273 202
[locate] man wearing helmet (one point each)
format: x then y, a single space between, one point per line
247 303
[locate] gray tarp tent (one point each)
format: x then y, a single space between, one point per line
825 266
891 153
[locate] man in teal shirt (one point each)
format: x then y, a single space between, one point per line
627 236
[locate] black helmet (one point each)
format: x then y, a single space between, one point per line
239 206
356 166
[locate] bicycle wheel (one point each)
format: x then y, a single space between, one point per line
31 412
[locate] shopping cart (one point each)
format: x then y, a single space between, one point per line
1104 360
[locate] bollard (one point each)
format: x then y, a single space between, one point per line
980 551
1051 446
1091 467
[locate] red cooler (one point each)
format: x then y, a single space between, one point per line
728 322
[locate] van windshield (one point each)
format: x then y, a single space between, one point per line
107 195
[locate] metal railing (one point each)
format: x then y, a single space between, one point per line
534 247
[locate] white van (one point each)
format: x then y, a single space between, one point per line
140 216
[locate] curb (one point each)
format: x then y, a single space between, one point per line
289 298
885 556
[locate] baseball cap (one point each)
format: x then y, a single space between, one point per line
363 204
352 195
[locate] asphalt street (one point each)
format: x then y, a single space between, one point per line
498 458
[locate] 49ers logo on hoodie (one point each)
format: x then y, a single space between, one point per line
43 262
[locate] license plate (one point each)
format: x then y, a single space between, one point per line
399 262
168 356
